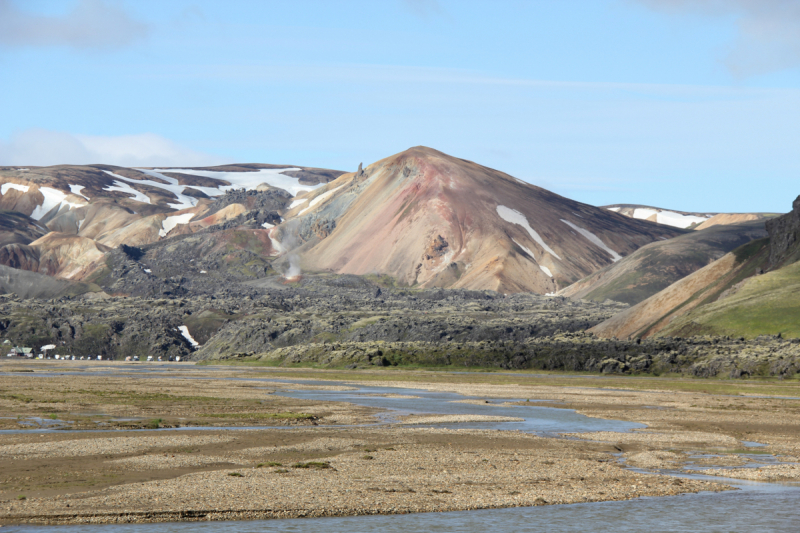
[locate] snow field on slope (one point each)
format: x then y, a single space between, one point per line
319 199
677 220
669 218
52 198
643 214
172 185
121 186
188 336
295 203
76 190
169 223
530 253
249 180
515 217
527 250
6 186
594 239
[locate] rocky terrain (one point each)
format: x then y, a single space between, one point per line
241 319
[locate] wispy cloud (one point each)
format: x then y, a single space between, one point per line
768 31
423 8
92 24
39 147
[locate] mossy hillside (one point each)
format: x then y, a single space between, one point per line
764 305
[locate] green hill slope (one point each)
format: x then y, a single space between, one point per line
761 305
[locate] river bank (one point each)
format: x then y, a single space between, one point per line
344 458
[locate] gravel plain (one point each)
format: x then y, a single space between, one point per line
306 458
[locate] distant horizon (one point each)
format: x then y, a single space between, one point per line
693 105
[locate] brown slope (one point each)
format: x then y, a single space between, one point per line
16 228
430 219
705 286
730 296
656 266
729 218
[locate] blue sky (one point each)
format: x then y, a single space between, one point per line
685 104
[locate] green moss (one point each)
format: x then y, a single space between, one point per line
263 416
765 305
316 465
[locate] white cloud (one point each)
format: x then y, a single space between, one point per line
43 147
91 24
769 31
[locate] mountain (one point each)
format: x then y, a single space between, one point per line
658 265
422 217
754 290
683 219
432 220
64 220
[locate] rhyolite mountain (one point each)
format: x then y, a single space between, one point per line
64 220
422 217
658 265
751 291
683 219
432 220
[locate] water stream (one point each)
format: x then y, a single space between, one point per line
757 507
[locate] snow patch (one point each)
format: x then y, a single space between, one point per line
52 198
669 218
615 209
76 190
248 180
203 272
594 239
147 270
319 199
677 220
643 213
188 336
295 203
169 223
172 186
546 270
527 251
124 187
6 186
515 217
267 225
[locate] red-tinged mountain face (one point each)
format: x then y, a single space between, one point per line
429 219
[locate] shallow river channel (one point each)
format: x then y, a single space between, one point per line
756 507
